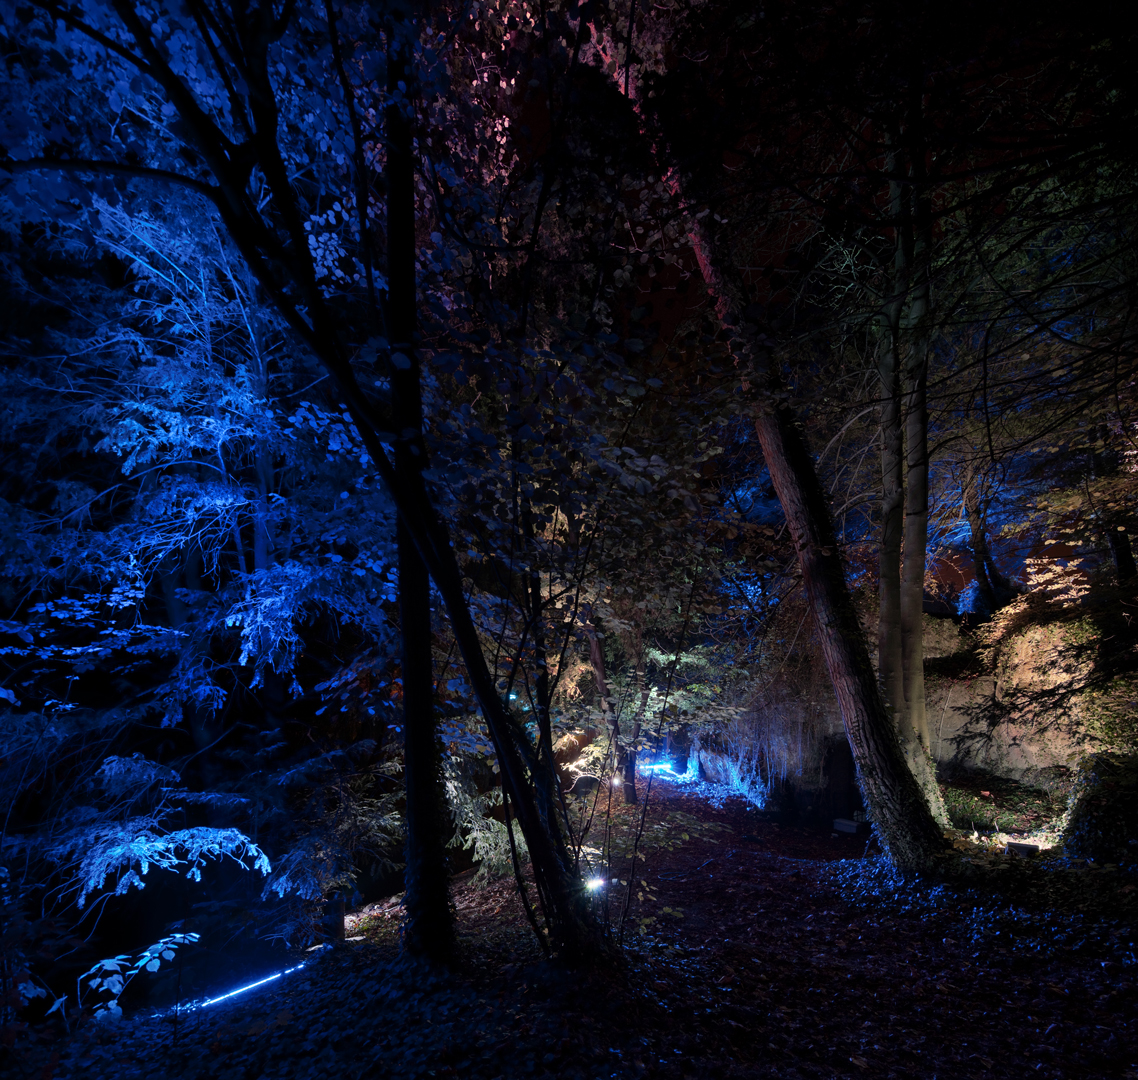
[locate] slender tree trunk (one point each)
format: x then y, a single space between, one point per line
980 555
546 778
914 375
917 741
916 537
608 714
889 652
643 692
890 662
428 930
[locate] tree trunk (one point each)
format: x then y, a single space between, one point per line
1122 554
608 714
905 826
916 739
916 537
994 588
890 661
643 693
889 653
428 929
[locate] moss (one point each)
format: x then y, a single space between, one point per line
1110 713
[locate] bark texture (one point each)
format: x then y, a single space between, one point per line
900 811
909 833
890 663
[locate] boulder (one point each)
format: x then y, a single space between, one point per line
1102 815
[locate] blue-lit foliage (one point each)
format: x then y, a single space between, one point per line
202 523
101 986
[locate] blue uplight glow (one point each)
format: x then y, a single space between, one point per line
668 772
595 883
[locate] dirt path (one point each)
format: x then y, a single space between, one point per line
749 958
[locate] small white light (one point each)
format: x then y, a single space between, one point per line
595 883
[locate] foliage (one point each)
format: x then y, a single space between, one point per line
982 802
199 607
109 978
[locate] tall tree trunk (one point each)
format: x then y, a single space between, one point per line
608 713
890 659
909 833
889 653
546 778
643 693
428 930
916 536
899 808
915 541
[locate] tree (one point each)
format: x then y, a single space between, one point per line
230 130
163 599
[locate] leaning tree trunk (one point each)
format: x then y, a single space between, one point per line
909 833
428 929
900 811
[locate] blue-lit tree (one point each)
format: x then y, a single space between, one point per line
296 127
203 524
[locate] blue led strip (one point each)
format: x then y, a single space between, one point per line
191 1006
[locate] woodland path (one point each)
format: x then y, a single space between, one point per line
758 964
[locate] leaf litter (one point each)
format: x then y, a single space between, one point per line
777 951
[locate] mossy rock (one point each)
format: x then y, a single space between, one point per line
1102 815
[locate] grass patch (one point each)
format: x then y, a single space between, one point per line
987 803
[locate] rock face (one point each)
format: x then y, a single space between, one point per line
1102 817
1023 710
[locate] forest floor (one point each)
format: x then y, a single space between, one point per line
753 950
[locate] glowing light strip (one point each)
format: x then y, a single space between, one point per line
191 1006
251 986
